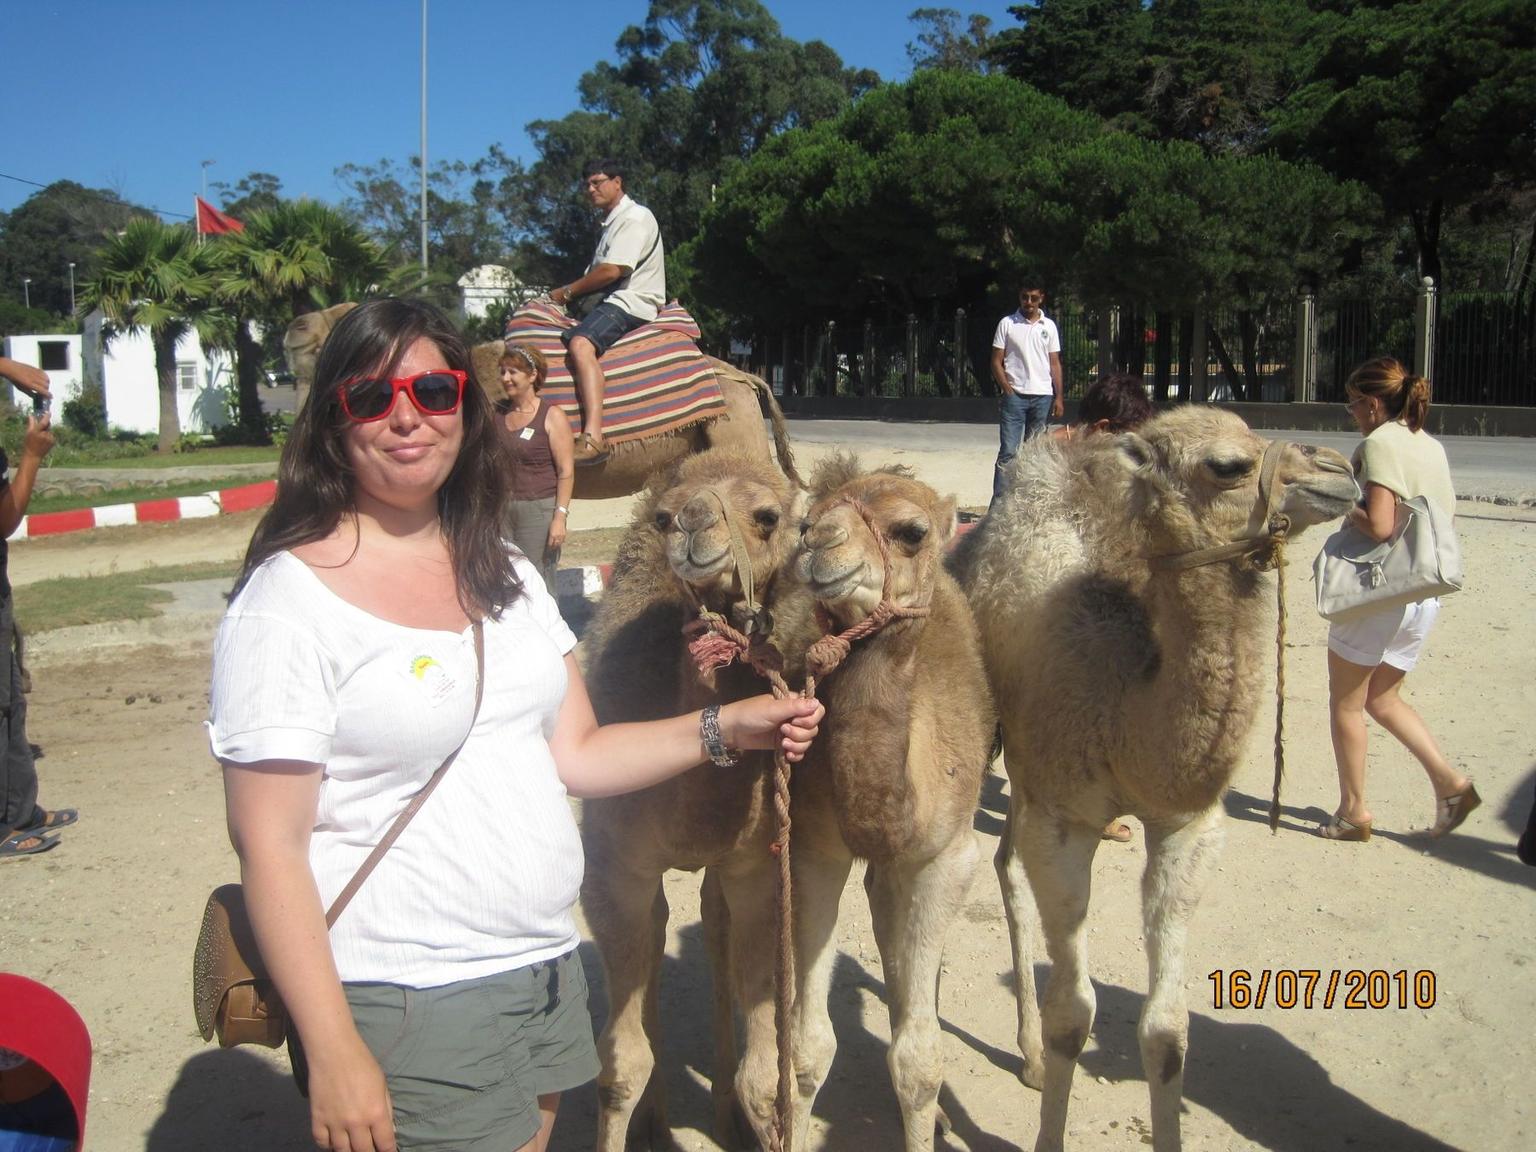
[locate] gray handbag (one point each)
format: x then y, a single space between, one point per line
1356 575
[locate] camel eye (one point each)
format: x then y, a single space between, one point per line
767 518
663 521
1230 469
912 533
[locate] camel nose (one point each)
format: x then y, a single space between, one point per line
698 514
826 534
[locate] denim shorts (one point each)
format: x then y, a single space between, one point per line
466 1063
604 325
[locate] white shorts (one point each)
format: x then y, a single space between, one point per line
1392 636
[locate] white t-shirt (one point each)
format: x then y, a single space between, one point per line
484 878
1027 356
1406 463
631 238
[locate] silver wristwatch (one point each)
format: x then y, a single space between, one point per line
714 743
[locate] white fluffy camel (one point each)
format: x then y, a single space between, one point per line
1128 686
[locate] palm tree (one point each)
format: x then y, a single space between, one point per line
154 277
289 258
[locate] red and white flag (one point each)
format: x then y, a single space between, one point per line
210 221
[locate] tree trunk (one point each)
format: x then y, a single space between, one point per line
1234 378
1248 326
1426 233
1162 354
248 362
165 377
1186 351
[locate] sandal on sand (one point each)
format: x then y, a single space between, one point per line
1451 810
12 844
46 821
1118 831
1341 829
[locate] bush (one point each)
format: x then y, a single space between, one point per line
87 413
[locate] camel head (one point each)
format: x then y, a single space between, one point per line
1195 477
304 338
719 511
840 557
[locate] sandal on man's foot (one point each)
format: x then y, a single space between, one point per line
589 451
46 821
1118 831
1341 829
1451 810
26 844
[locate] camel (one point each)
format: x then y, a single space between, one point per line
677 555
895 776
1122 609
748 400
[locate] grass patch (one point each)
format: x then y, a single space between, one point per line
211 454
70 600
132 494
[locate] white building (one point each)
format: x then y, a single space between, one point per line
126 372
482 287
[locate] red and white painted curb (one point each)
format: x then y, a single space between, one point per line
148 511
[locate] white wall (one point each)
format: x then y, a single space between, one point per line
127 373
64 382
483 286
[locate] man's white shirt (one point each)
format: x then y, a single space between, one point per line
1027 352
631 238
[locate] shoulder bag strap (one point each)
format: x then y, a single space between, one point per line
420 798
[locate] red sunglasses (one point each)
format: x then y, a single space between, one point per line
437 392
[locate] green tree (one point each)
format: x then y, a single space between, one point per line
253 192
62 224
943 42
156 278
1430 103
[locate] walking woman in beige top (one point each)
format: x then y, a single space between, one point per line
1369 656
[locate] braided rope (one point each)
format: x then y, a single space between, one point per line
1274 800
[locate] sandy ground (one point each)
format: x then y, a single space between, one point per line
110 917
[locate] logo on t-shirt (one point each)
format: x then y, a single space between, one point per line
433 678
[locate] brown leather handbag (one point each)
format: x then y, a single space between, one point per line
232 996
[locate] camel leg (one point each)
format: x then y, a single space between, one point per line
1180 860
1058 856
622 908
913 904
746 887
716 915
820 877
1019 904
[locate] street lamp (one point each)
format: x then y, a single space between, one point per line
71 287
26 291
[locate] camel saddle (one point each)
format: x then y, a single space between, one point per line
657 380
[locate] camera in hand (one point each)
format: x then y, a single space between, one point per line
39 405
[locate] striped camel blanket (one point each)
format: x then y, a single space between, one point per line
657 379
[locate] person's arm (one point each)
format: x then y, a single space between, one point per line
562 446
15 496
594 281
32 381
612 759
1377 517
1058 387
270 810
999 373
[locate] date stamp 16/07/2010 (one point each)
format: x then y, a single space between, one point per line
1354 988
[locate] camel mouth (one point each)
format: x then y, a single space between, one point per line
1326 497
835 588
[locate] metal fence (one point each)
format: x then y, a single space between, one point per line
1477 348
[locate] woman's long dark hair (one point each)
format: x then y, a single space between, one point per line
315 481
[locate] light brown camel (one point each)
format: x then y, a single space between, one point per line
747 401
894 777
1128 685
678 554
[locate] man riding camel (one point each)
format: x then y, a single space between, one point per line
623 288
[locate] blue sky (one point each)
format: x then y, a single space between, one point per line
133 95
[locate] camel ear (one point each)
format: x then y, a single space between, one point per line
946 519
799 506
1134 453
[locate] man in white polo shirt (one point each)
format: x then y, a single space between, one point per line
628 277
1026 363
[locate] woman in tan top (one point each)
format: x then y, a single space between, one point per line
543 449
1369 656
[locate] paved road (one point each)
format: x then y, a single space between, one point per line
1497 468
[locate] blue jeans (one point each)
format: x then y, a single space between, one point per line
1019 418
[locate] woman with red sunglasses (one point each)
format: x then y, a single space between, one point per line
446 1007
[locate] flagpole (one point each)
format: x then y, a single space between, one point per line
197 214
423 137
